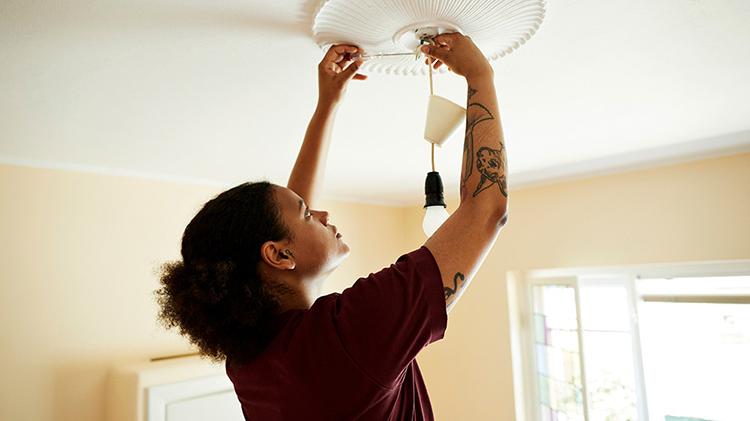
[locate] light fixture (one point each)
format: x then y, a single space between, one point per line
435 210
390 34
380 27
443 117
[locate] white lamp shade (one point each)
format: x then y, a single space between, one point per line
443 117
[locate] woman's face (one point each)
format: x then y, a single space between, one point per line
317 246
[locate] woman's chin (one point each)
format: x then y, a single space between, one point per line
338 258
343 253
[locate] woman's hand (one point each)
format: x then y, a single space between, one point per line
460 54
339 65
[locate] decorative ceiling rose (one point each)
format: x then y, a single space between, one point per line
497 27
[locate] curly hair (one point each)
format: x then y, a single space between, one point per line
214 295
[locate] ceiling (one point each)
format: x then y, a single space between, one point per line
220 92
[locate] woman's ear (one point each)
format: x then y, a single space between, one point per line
277 255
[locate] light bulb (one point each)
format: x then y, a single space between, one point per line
434 217
435 213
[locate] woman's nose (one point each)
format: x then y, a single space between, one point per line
323 217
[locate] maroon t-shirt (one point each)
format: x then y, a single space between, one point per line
351 355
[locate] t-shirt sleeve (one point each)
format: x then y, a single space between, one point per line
385 319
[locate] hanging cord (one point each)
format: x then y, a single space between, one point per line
433 156
430 73
432 148
429 66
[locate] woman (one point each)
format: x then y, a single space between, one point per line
254 260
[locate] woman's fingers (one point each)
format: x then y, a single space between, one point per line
332 68
336 52
447 38
436 53
435 63
338 57
349 67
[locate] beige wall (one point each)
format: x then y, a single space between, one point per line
689 212
79 253
78 257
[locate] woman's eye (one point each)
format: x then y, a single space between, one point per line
308 214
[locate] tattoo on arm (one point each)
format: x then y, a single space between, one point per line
491 167
475 114
490 162
451 291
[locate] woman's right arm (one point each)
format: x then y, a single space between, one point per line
461 244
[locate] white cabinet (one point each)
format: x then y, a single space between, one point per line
182 389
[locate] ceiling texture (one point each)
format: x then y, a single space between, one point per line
221 91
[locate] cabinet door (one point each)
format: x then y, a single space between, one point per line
220 406
205 398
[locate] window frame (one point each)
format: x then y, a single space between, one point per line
520 307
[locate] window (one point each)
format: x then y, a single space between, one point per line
653 343
696 347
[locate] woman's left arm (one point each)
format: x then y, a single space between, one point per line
339 65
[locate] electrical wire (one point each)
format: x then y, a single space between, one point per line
429 65
432 148
433 157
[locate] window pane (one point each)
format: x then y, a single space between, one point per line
557 353
610 377
605 308
608 353
696 359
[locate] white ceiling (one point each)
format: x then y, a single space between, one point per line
221 92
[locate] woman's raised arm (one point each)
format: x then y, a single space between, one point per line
334 72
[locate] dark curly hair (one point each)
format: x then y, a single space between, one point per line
214 295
